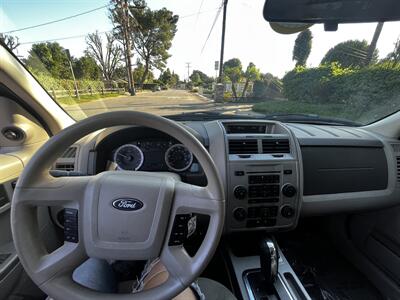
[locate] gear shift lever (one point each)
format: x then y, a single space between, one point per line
269 260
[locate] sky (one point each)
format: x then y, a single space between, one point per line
248 36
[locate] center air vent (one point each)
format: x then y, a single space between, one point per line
243 147
275 146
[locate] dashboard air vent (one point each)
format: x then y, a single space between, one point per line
275 146
65 167
71 152
243 146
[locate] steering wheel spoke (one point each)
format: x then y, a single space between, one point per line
60 262
194 199
190 199
60 191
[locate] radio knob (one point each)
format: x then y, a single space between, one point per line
240 192
239 214
289 190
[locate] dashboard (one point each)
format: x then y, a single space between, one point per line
273 173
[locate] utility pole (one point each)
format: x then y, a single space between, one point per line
372 46
188 69
125 32
221 59
72 72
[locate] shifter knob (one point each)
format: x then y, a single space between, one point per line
269 260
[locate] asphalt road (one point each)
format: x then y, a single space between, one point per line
163 103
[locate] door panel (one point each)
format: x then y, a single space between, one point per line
20 136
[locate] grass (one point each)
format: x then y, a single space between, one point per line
358 113
84 98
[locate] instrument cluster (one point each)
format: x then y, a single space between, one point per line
154 155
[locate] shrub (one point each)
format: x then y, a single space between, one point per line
335 84
51 83
264 89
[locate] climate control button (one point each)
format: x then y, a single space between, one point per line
289 190
240 192
239 214
287 211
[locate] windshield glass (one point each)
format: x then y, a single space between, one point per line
164 57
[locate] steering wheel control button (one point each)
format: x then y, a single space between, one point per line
180 229
287 211
289 190
71 225
240 192
239 214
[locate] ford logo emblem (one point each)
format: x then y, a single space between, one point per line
128 204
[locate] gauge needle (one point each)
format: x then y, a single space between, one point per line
127 157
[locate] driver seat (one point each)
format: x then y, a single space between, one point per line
98 275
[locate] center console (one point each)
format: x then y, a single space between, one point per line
265 275
263 172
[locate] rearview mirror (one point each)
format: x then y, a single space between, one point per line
330 12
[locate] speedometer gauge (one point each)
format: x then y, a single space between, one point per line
178 158
128 157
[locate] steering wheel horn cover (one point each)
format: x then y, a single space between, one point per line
111 233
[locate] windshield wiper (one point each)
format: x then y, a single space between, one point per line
310 119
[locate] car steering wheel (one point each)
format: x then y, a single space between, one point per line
109 233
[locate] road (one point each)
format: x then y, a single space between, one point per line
163 103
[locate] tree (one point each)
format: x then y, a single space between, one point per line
175 79
268 86
196 79
108 55
352 53
138 74
394 56
151 32
302 47
11 42
201 79
233 71
374 42
167 78
251 74
86 68
49 57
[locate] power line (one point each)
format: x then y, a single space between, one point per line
62 38
198 11
212 27
59 20
83 35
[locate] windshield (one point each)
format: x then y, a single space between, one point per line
164 57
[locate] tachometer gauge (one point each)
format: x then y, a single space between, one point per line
178 158
128 157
